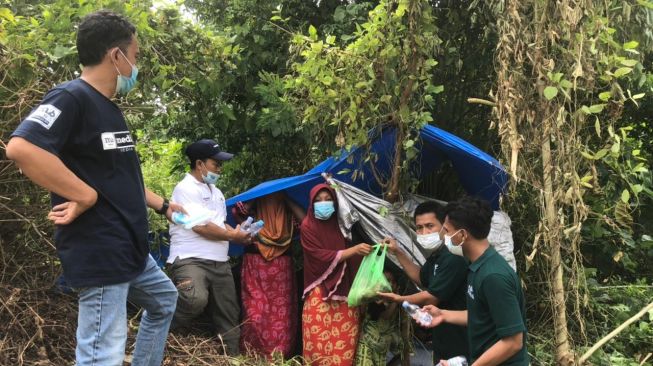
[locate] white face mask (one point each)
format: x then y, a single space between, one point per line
430 242
454 249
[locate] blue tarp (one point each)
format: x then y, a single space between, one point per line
479 173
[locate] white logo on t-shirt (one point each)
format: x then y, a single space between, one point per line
117 140
45 115
470 291
435 269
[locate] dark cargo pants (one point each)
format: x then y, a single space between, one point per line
202 283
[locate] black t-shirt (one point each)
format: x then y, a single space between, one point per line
444 276
108 243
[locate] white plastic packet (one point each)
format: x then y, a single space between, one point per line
196 215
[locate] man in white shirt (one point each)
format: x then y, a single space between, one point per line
199 264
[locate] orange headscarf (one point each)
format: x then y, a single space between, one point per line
275 237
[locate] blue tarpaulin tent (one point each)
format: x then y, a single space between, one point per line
479 173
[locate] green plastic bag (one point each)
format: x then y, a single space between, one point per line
370 278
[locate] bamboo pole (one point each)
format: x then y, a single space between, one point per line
612 334
552 237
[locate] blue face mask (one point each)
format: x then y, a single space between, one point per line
125 84
323 210
210 177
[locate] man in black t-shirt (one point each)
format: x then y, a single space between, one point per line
442 277
76 144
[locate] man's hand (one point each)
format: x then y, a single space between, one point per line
390 296
67 212
240 236
436 313
391 244
174 207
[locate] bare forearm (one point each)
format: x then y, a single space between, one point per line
346 254
501 351
421 298
456 317
48 171
212 231
153 200
297 211
410 268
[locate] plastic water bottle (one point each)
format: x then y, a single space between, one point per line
256 227
246 224
457 361
180 218
417 313
251 227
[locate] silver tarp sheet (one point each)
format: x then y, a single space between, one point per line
380 219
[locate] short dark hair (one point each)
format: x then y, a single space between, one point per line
101 31
430 207
193 162
471 214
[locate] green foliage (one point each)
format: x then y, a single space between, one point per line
611 306
382 77
163 165
285 83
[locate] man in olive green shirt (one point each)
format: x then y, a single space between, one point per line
442 277
495 316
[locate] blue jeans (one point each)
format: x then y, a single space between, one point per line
102 321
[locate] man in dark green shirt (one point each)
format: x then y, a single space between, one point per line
495 316
442 277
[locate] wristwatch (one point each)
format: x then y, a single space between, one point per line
164 208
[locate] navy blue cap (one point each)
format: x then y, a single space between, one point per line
207 148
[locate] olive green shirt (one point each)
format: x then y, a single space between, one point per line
444 276
495 305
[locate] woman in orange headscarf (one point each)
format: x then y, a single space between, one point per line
329 325
269 290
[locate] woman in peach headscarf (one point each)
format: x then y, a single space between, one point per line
269 290
329 326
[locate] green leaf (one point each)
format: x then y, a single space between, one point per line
556 77
639 96
276 18
331 40
629 62
383 211
631 45
625 196
228 112
550 92
587 155
605 96
401 10
596 108
622 71
597 127
430 63
566 84
435 89
312 32
600 154
7 14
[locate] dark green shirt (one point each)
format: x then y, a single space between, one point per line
495 305
444 276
